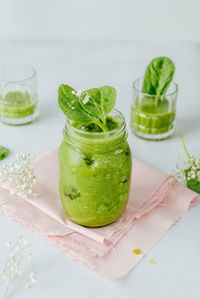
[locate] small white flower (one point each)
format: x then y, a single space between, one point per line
198 163
198 176
8 244
191 169
9 278
12 192
21 173
32 277
79 93
86 99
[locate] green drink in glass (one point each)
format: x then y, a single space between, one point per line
18 94
153 110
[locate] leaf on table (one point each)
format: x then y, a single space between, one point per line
3 152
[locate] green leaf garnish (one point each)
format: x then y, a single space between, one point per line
3 152
87 107
158 76
108 99
71 107
90 101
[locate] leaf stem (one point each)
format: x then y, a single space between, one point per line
102 126
156 101
184 146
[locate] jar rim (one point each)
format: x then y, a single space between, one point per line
19 65
173 92
116 113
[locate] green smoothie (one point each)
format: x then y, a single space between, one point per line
94 157
17 104
95 173
154 103
152 117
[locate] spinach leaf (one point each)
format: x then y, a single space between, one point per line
101 101
87 107
108 99
92 106
3 152
158 76
70 105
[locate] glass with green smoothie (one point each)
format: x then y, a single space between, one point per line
153 111
94 157
18 94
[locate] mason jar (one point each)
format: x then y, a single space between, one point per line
95 173
153 117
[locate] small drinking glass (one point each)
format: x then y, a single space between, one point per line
18 94
152 116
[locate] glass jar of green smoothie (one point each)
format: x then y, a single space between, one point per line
95 171
18 94
153 116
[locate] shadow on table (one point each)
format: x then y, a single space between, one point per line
47 112
187 125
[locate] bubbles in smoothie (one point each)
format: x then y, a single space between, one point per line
88 160
73 193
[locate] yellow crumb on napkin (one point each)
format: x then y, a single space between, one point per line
137 251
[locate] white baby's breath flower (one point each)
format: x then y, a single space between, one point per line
21 174
198 174
190 170
79 93
198 163
86 99
8 244
12 278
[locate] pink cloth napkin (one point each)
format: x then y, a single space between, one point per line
154 205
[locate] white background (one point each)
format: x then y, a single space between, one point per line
101 19
83 65
31 33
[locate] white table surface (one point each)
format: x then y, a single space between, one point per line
85 65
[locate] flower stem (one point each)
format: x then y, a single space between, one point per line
184 146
